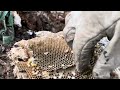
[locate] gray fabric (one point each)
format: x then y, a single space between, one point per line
89 28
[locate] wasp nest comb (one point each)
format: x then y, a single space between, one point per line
49 51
